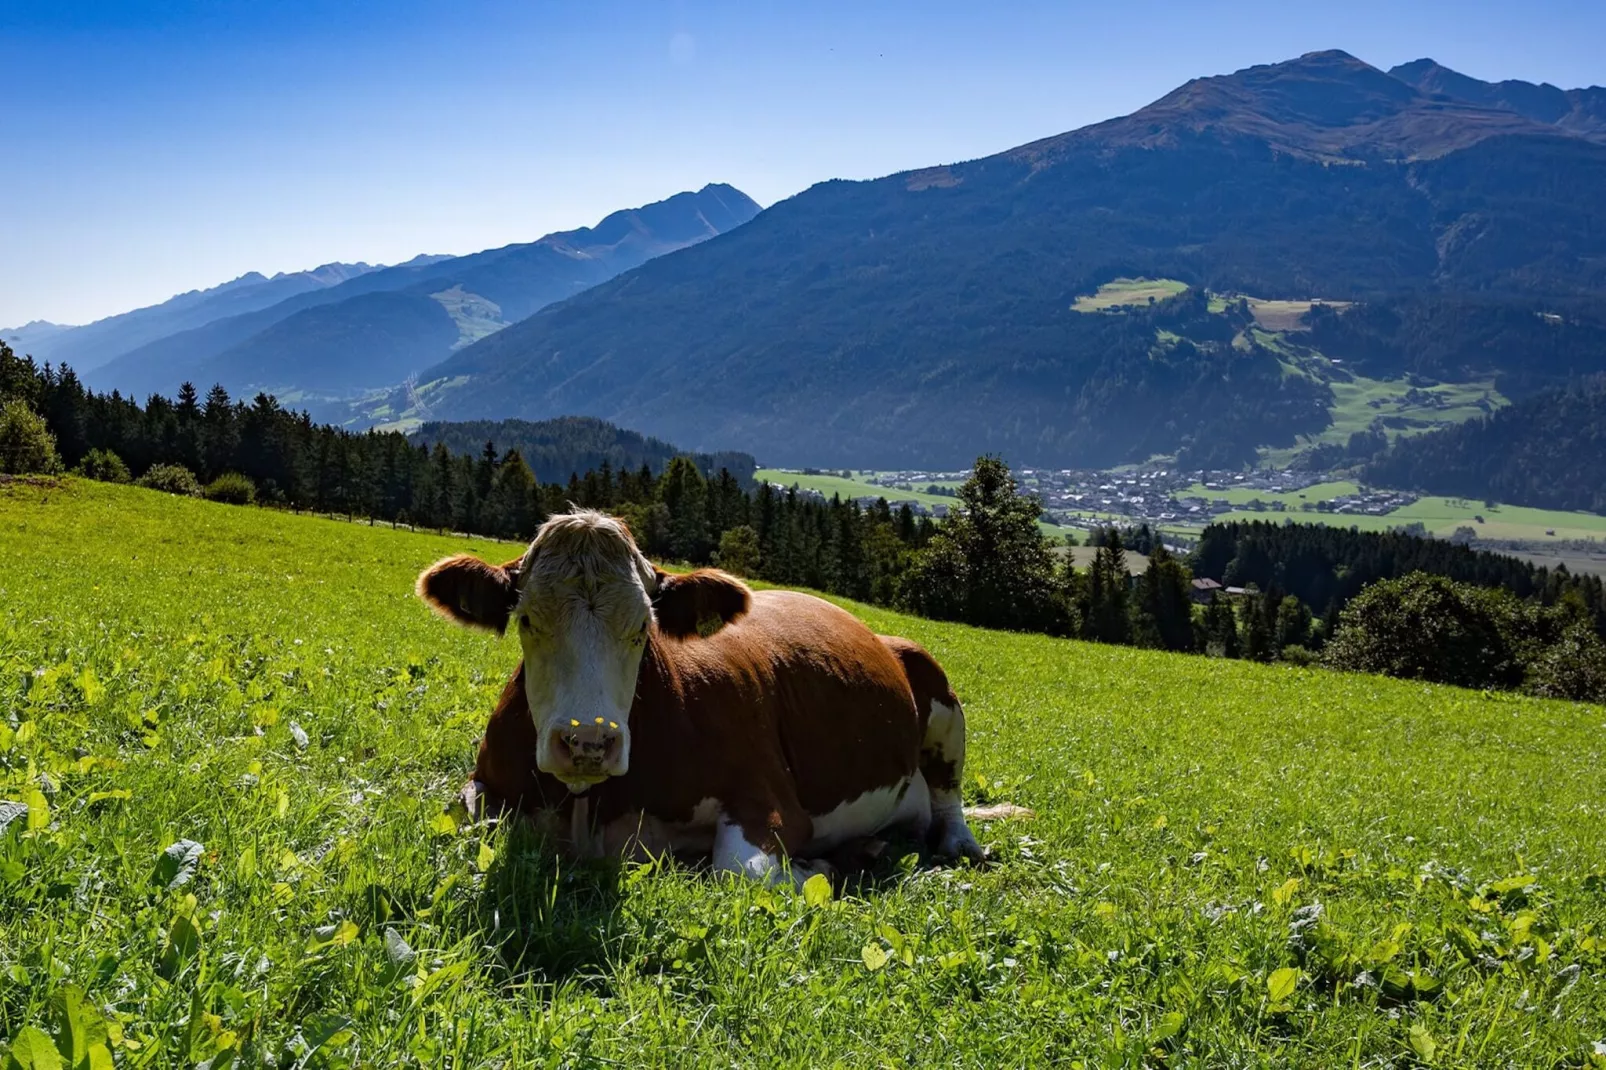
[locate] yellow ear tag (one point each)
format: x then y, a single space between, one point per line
573 723
613 724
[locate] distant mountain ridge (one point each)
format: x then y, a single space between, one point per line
921 318
93 345
348 337
1581 112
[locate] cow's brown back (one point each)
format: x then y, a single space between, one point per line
790 711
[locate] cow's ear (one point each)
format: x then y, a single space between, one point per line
698 603
471 592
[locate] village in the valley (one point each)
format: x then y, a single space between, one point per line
1156 496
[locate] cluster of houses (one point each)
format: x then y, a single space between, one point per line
1156 496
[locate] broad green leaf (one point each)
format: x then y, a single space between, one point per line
1422 1042
397 949
38 808
485 857
1281 984
338 935
1285 891
817 890
115 795
1512 884
176 865
80 1031
442 825
874 956
7 737
32 1049
1170 1026
183 942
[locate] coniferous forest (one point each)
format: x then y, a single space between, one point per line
990 564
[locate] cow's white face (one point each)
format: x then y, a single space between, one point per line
584 616
586 604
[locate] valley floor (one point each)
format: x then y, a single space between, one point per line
1231 864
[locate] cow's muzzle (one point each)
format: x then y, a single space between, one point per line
582 753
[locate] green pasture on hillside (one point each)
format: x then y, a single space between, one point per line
1316 492
1122 292
1442 516
232 734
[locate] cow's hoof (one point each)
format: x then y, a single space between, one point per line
958 842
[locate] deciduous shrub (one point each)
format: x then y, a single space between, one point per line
172 478
26 444
1423 627
103 465
1574 666
738 551
231 487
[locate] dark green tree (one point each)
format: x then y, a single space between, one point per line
990 564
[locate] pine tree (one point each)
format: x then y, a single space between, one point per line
684 493
1221 628
1163 612
1257 635
990 564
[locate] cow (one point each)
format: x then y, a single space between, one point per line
656 712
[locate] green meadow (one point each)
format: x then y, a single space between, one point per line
228 737
1121 293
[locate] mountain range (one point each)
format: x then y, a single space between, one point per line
92 345
1302 230
342 328
924 317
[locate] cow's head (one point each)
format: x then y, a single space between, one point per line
587 605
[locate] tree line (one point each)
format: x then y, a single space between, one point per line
989 564
263 452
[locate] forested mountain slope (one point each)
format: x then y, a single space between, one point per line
1547 451
926 316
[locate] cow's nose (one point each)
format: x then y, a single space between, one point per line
587 750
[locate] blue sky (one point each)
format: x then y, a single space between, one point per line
154 147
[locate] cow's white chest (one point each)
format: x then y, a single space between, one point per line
906 802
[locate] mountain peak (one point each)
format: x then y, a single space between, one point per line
1325 105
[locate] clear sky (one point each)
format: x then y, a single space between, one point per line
155 146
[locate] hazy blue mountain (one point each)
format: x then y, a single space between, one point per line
94 344
925 317
1577 111
31 335
338 339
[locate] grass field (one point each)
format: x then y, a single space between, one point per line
1316 492
232 733
1122 292
857 488
849 488
1442 516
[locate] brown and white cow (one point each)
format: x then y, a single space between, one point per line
656 712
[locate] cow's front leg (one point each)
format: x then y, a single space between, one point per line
760 854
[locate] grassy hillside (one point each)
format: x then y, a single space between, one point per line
267 687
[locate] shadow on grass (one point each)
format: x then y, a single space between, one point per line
543 919
546 919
